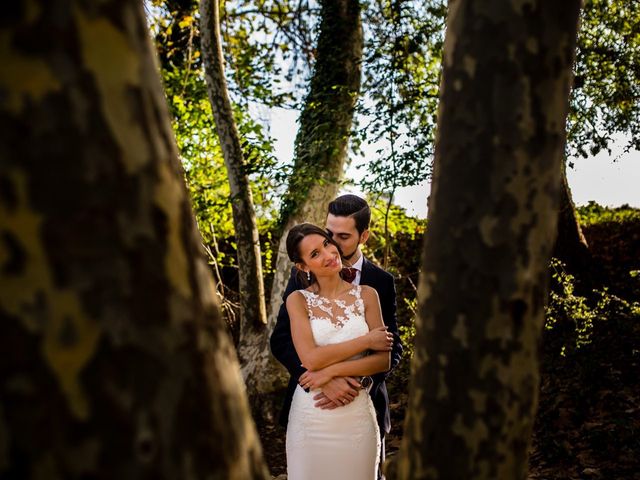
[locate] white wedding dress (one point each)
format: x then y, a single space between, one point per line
343 443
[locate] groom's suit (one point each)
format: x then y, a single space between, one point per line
283 349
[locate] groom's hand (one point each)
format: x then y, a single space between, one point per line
339 391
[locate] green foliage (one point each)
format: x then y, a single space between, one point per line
592 214
565 306
197 141
202 158
408 331
255 35
397 111
200 153
261 38
402 74
397 223
605 100
574 317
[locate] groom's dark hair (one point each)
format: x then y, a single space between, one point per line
352 206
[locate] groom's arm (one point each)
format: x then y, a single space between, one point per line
389 316
281 342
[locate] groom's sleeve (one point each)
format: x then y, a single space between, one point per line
281 342
388 306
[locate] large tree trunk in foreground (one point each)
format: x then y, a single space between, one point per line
492 223
116 362
325 127
255 357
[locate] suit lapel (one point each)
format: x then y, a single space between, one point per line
365 274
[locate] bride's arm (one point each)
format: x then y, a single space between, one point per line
376 362
316 357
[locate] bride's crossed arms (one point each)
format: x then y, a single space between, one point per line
328 361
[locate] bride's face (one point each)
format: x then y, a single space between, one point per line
319 255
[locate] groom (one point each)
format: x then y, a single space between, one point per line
348 223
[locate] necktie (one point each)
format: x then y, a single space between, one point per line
348 274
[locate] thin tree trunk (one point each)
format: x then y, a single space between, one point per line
116 362
325 126
492 223
257 362
571 247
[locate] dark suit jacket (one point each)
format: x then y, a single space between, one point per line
283 349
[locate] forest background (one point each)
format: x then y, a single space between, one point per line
117 359
272 52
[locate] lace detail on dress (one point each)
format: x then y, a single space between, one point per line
334 321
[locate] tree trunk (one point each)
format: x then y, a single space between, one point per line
116 362
571 247
253 349
492 223
325 126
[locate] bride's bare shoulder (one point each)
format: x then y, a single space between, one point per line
368 293
295 298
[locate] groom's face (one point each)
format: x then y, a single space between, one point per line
343 230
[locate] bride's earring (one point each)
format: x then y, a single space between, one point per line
308 276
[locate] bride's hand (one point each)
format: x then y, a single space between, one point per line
315 380
380 339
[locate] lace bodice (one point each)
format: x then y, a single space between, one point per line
335 321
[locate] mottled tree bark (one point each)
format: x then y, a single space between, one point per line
116 362
259 368
492 223
325 125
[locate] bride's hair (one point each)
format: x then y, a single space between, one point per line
295 236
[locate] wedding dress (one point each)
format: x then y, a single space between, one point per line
343 443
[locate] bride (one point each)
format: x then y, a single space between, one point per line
337 330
